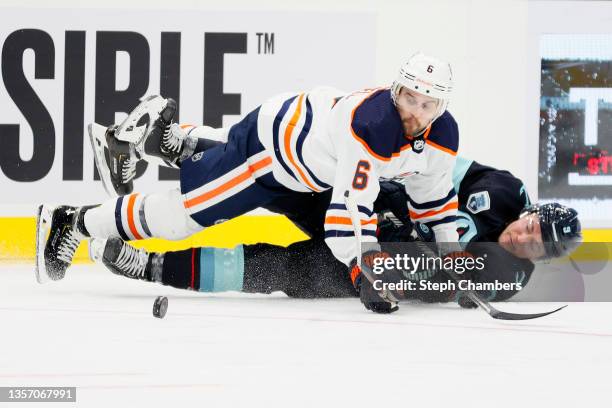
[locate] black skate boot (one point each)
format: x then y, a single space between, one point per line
147 131
123 259
54 252
164 140
115 160
122 164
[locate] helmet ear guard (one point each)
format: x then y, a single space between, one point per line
560 226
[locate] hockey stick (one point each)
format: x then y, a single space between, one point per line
353 211
482 303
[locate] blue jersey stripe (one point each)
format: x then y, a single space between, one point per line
361 208
277 121
338 234
342 234
334 206
300 143
118 220
432 204
445 220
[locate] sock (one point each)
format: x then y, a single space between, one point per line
221 269
136 216
123 217
204 269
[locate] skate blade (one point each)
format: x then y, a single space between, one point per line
43 225
127 131
97 139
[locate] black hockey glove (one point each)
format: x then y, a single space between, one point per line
377 301
389 231
423 233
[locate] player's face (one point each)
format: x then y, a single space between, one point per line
523 238
416 110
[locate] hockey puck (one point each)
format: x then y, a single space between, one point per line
160 306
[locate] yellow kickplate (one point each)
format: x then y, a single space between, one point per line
17 242
17 237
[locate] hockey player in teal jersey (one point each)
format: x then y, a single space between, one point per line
493 207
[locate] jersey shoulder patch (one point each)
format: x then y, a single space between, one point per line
444 134
376 124
507 192
477 202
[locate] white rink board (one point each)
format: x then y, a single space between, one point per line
303 56
95 331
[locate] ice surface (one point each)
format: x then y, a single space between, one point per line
95 331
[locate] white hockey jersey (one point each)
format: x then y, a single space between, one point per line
326 139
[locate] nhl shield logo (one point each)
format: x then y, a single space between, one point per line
478 202
418 145
197 157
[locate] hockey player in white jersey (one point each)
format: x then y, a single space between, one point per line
293 144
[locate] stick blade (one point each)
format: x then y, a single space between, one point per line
497 314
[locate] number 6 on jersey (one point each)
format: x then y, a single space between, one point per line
360 181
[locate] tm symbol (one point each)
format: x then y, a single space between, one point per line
265 43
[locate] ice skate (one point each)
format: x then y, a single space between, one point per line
118 174
147 131
121 258
56 241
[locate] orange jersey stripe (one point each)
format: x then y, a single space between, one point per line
444 149
130 216
379 157
287 137
266 161
449 206
347 221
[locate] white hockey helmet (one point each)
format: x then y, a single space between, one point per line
428 76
